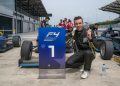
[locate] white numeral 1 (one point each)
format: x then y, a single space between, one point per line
52 48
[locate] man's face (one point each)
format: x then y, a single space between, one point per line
78 24
65 19
47 20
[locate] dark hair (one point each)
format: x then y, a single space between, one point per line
47 18
65 18
69 20
78 17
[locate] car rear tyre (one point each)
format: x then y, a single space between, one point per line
26 50
106 50
16 41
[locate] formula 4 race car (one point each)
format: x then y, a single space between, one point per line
8 42
108 44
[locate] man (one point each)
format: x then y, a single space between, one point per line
65 23
61 23
84 55
70 25
44 23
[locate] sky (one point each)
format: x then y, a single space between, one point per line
88 9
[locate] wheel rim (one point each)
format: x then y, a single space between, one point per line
102 50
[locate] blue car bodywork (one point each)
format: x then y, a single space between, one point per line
110 35
4 46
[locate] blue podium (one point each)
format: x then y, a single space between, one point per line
51 43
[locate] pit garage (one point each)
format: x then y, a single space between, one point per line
21 16
5 25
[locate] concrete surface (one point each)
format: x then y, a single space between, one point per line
12 75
